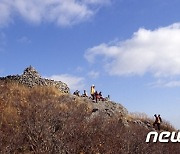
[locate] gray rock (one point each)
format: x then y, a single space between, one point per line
32 78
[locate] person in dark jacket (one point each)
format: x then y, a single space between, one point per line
157 121
100 96
85 94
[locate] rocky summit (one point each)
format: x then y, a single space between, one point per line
32 78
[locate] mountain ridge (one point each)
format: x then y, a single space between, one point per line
43 119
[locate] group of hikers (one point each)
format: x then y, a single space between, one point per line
95 96
77 93
157 121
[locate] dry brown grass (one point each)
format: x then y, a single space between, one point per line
165 125
42 120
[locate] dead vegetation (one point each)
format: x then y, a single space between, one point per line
42 120
165 125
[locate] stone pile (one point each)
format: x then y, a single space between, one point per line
31 78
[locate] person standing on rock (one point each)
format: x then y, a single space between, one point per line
96 96
93 92
85 94
157 121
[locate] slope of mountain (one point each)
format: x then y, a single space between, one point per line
43 119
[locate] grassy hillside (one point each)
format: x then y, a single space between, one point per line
43 120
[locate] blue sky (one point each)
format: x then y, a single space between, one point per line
129 49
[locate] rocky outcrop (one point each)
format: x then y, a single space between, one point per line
31 78
106 109
110 108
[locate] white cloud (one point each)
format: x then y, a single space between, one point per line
24 39
173 84
148 51
4 13
97 1
62 12
74 82
162 83
93 74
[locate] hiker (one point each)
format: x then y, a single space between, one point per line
85 94
157 121
96 95
77 93
93 92
108 97
100 96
